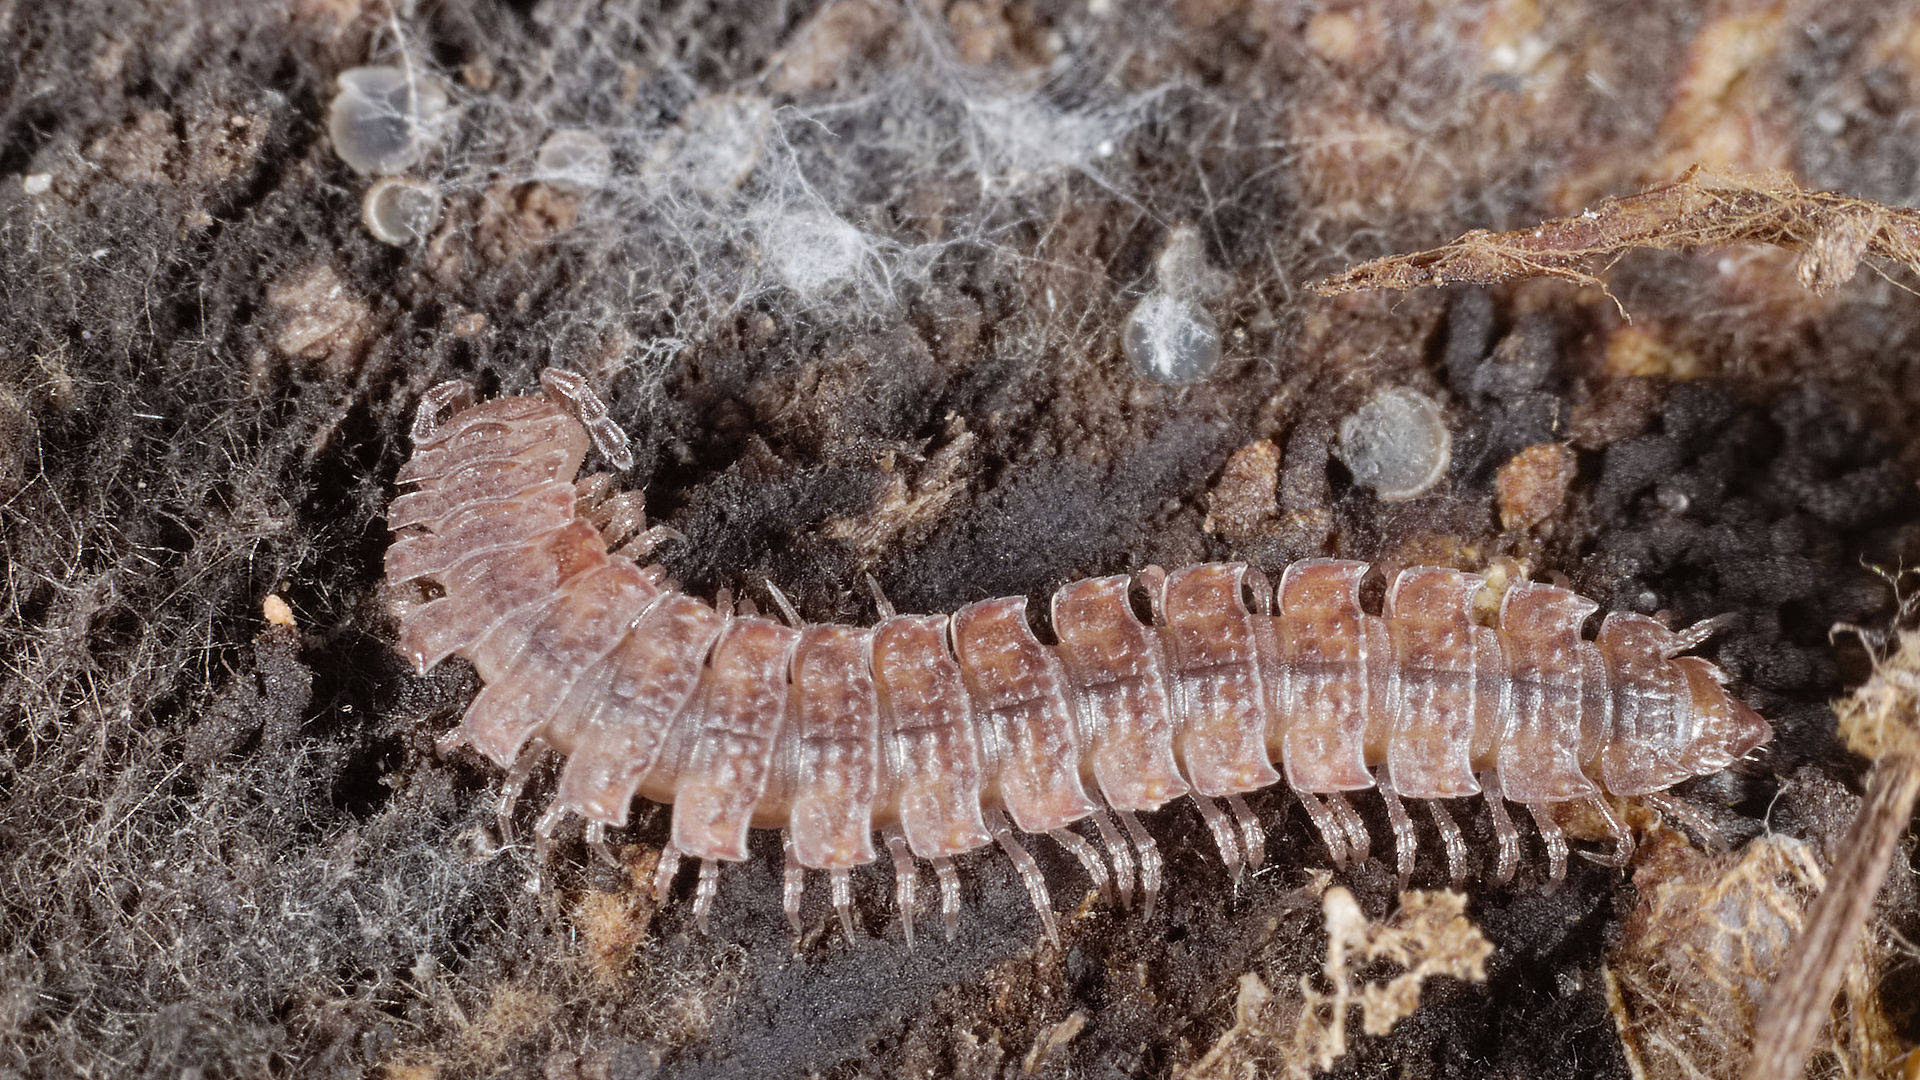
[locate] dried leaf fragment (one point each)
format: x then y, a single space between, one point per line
1702 209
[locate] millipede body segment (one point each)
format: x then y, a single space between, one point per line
934 730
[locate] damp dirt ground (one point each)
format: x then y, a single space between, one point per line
883 338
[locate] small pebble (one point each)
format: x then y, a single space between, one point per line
1397 444
574 156
1170 340
1533 483
1246 501
400 210
383 118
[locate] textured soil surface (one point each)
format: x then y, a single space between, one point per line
855 283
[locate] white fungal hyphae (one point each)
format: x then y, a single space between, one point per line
715 146
1171 340
383 118
1397 443
574 156
400 210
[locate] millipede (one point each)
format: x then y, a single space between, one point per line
945 734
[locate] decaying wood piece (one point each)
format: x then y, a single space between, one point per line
1881 721
1702 209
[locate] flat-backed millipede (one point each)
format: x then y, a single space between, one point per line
934 730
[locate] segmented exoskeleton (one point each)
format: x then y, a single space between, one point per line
935 730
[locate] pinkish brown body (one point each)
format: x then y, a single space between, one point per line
929 728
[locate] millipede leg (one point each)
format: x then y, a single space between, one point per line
1118 854
1696 635
1224 836
949 894
1330 828
1149 853
1252 835
784 605
664 871
1450 840
622 520
1029 872
703 892
793 880
597 842
590 491
543 831
880 602
1089 858
643 544
842 886
1681 812
1359 844
516 783
1404 840
903 879
1622 853
1555 840
1504 834
445 743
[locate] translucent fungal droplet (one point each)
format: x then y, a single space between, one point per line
1397 444
400 210
1171 340
1181 270
812 250
574 156
383 118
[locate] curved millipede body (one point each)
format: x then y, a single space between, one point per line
934 730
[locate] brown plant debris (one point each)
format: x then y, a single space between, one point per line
1293 1035
1702 209
1880 721
1708 937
